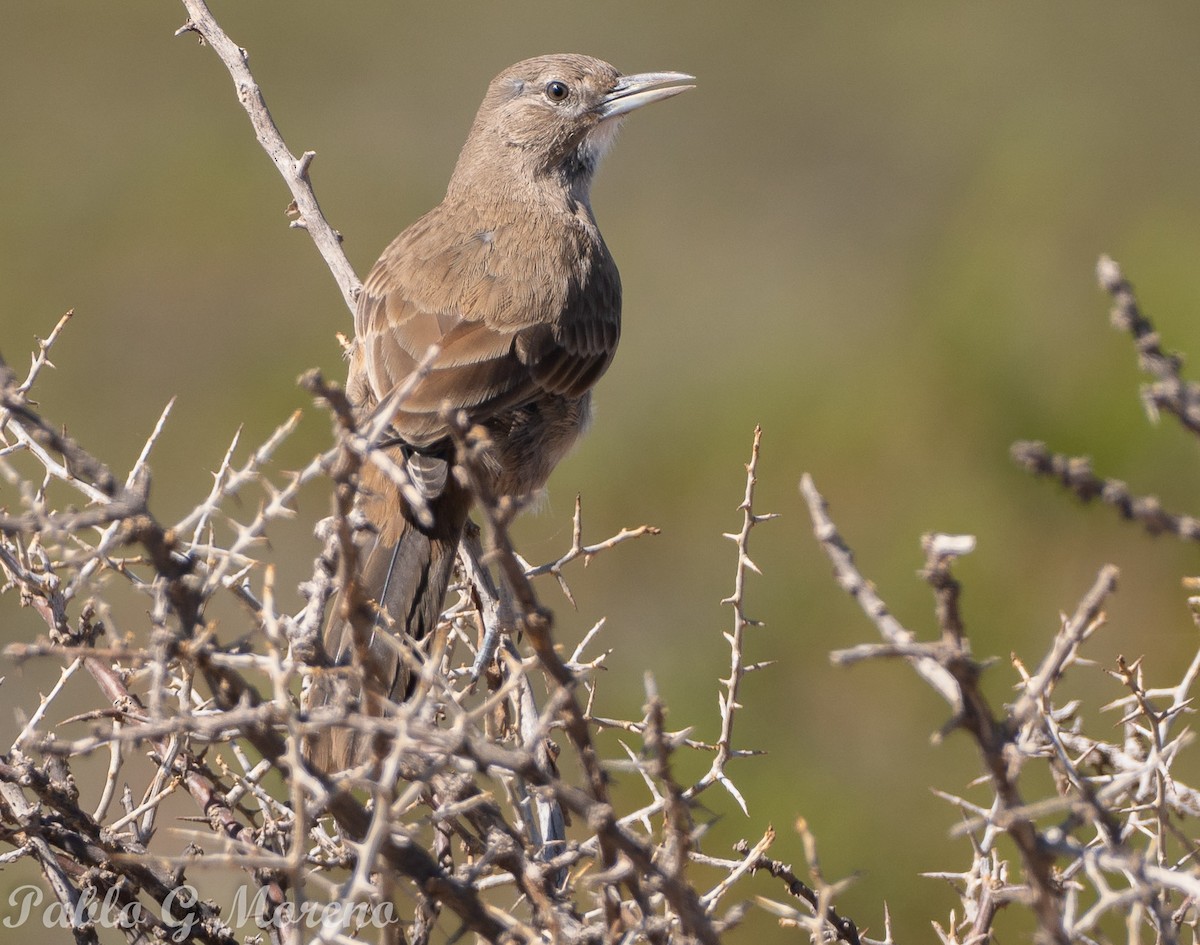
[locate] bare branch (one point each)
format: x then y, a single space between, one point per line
293 170
851 581
1170 392
1075 473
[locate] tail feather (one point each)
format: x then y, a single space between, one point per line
404 570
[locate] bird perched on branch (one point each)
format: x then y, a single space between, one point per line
510 278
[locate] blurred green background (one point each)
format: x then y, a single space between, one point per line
872 229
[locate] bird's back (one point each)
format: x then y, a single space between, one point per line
523 300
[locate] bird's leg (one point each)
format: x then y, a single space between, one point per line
544 816
496 611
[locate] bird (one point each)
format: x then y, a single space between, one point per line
510 278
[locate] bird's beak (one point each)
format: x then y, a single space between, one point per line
634 91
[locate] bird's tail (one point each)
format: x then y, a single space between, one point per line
403 571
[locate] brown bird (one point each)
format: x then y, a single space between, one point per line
510 278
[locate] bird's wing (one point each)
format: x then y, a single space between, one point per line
506 334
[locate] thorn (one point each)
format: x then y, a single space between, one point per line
736 794
303 165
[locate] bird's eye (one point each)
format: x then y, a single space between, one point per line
557 91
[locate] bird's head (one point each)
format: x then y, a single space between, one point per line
558 115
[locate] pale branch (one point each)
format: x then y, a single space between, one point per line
823 923
456 803
992 734
41 358
537 622
678 818
940 551
293 170
138 524
1075 473
579 550
203 790
249 725
1170 391
112 535
736 637
1073 633
851 580
531 616
755 860
57 821
230 690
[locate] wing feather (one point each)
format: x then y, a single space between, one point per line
505 336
